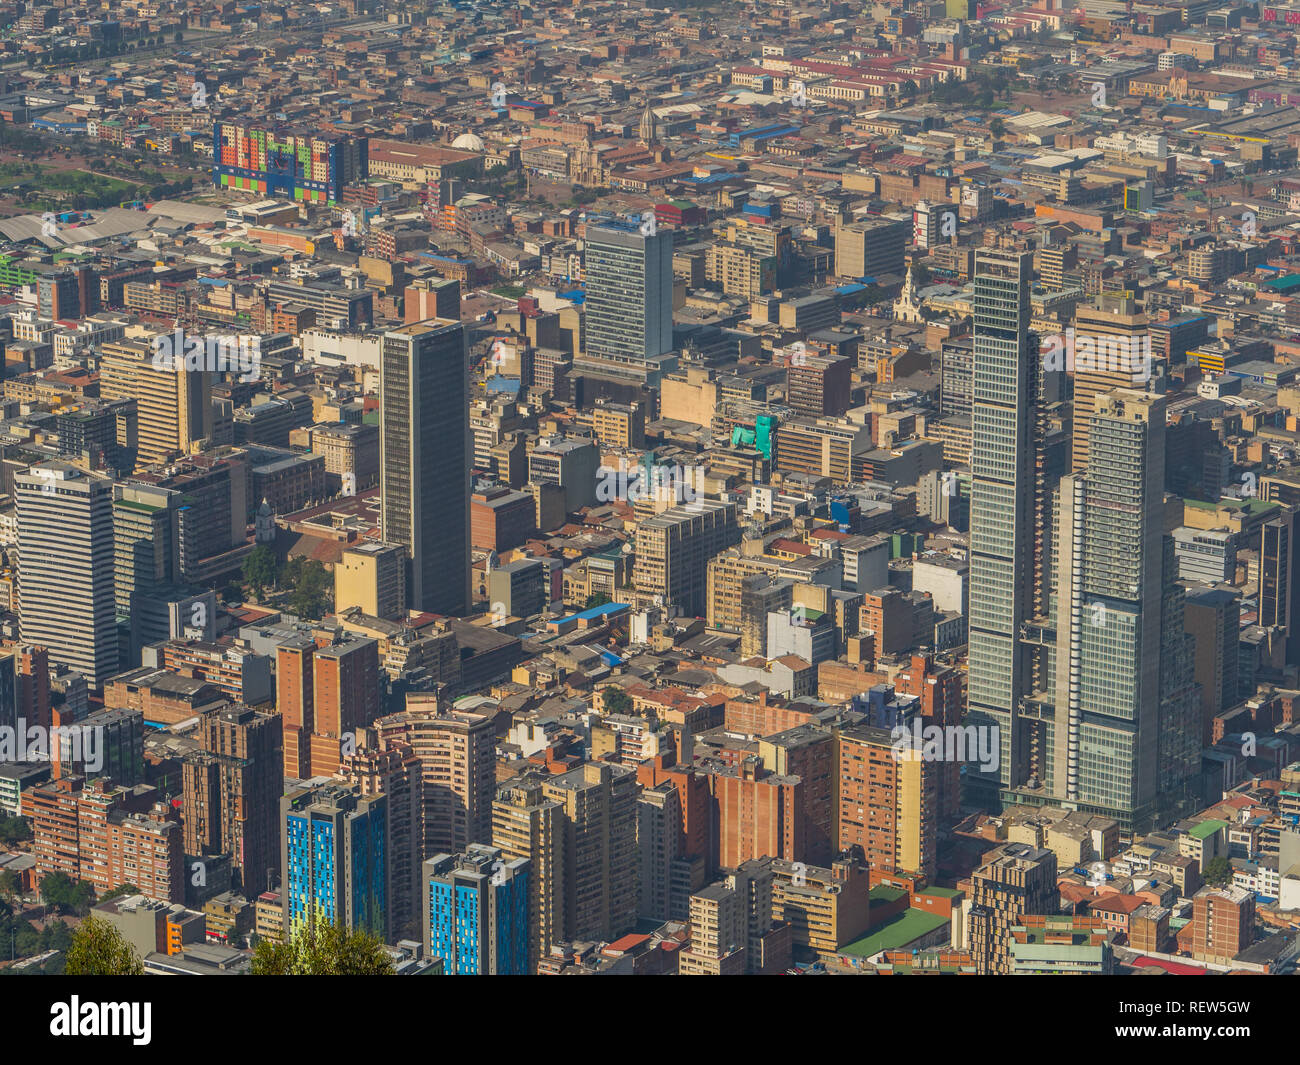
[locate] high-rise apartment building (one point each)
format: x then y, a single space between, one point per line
476 912
939 689
629 292
230 789
394 773
598 801
758 814
457 754
1016 881
107 835
658 835
719 935
334 858
528 825
673 550
65 540
808 752
424 460
886 800
324 694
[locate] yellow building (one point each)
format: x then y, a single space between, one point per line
173 407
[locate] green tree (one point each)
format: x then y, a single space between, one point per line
596 599
323 948
14 830
55 936
997 127
259 569
119 892
60 891
99 949
8 884
1218 872
310 598
615 701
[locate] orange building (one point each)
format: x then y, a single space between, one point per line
107 836
758 814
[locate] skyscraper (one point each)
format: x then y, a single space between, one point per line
1110 340
476 912
457 753
629 292
1127 720
395 773
598 801
173 407
1016 880
1001 503
334 858
65 541
526 824
229 793
424 460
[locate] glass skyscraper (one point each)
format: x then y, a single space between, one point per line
629 292
1125 699
1001 516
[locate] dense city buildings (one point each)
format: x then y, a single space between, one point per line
727 489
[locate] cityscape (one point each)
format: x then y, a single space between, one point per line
742 487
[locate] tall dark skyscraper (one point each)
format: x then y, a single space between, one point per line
424 460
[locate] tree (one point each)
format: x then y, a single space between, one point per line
1218 872
259 569
997 127
66 895
9 884
615 700
14 830
310 582
323 948
310 598
99 949
596 599
119 892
